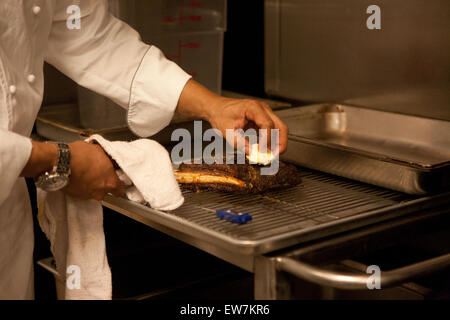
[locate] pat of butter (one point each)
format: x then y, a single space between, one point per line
263 158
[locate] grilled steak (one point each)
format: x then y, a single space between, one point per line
244 178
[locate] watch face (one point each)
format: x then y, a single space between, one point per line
58 178
53 182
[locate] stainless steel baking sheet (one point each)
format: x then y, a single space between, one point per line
400 152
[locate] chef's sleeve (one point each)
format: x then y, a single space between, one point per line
107 56
15 150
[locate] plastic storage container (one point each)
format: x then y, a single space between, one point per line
190 33
198 53
172 16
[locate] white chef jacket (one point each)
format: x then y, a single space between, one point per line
104 55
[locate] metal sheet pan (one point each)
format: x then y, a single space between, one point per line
62 123
400 152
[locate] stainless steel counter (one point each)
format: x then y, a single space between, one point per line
321 206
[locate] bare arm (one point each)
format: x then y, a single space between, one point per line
225 113
43 157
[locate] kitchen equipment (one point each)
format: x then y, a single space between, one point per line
400 152
199 53
98 112
322 50
60 284
321 206
190 33
410 255
62 123
172 16
130 251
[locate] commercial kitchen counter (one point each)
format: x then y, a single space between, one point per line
330 218
321 206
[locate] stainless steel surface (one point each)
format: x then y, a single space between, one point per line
60 281
62 123
322 205
274 104
359 282
400 152
327 268
161 221
270 284
322 50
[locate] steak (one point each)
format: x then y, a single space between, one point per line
243 178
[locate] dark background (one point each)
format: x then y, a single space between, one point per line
243 61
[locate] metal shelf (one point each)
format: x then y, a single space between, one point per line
322 205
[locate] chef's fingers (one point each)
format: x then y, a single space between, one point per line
257 113
120 190
281 126
99 196
115 186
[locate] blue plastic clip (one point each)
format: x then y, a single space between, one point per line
234 216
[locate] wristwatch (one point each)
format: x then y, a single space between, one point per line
58 178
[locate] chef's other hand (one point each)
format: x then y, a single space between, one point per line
226 113
92 173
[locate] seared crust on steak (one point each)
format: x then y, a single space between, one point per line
245 178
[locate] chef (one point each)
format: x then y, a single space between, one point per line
106 56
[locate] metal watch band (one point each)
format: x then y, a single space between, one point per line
58 178
63 165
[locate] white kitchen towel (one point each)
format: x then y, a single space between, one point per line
148 166
75 227
75 231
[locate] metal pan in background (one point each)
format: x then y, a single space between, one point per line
399 152
62 123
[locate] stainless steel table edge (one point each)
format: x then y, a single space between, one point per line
271 269
186 232
242 252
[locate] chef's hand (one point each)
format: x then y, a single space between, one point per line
225 113
92 173
248 114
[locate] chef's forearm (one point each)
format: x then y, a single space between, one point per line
198 102
43 157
